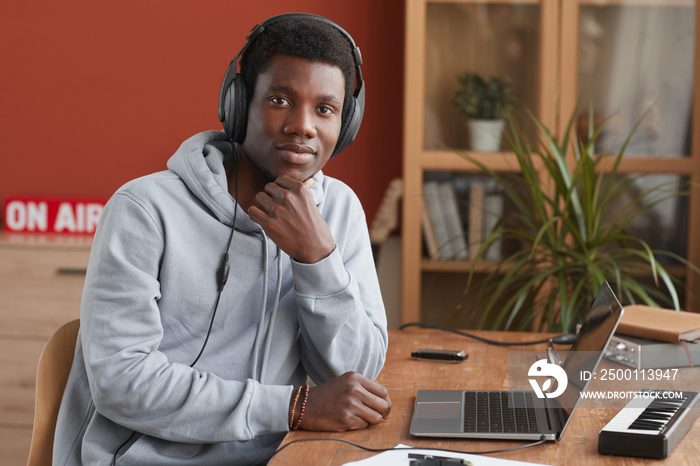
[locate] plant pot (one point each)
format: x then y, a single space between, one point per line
485 135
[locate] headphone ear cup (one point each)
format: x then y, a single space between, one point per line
350 128
236 110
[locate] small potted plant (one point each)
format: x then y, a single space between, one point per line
486 103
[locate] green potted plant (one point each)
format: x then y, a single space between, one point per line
486 103
573 235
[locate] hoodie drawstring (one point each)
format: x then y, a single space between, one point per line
263 307
258 333
273 315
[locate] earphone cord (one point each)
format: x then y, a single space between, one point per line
226 264
223 277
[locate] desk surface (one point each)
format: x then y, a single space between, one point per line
486 368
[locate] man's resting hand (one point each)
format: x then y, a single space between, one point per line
348 402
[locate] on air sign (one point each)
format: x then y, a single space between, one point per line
52 215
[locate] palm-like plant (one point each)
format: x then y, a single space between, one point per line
568 246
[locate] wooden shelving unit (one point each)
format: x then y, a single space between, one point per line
445 37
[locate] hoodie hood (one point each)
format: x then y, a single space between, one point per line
200 163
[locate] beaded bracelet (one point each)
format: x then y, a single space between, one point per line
294 405
303 407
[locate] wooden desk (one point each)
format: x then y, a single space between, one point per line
486 368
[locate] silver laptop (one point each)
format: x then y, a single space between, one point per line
522 414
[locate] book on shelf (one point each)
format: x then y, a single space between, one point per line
493 211
447 231
436 214
455 230
660 324
429 234
476 215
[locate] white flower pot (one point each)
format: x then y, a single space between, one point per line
485 135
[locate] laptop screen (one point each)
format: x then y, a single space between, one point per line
587 350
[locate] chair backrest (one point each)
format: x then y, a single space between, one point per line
52 374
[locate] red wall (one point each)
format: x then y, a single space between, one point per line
95 93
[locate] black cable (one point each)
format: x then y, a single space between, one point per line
381 450
114 457
223 277
225 264
566 339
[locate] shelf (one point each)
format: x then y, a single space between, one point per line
660 3
428 265
506 162
498 2
451 160
679 271
655 165
602 3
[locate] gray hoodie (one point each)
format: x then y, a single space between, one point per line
149 294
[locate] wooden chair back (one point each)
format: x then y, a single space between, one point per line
52 374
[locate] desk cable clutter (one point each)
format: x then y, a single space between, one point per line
565 339
438 451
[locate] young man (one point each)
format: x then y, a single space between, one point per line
216 287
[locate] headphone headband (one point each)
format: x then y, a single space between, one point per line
233 95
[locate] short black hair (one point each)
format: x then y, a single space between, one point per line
313 39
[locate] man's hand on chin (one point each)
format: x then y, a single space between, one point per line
287 212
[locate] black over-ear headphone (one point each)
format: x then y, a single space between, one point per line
233 98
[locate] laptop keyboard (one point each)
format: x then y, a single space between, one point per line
495 411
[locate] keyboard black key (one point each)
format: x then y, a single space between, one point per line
499 412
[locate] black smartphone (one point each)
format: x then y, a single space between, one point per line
443 355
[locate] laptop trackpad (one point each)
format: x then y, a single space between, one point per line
438 410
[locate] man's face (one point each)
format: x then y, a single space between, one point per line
294 117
